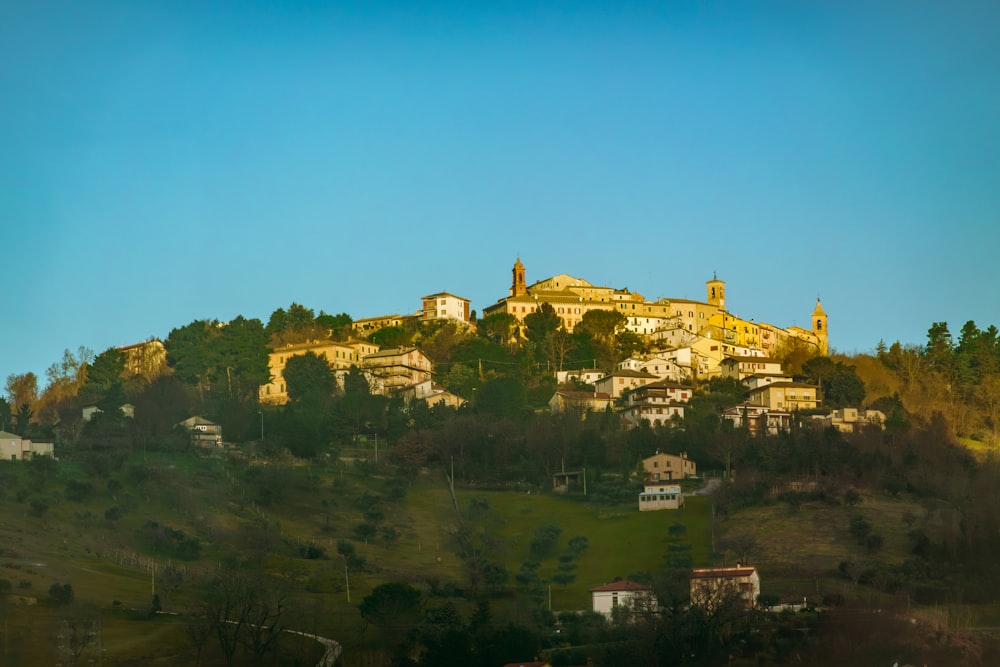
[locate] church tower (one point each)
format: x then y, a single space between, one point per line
716 292
519 288
819 328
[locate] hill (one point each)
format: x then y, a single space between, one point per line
166 524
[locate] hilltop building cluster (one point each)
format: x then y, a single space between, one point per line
689 340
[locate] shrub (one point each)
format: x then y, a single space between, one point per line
78 490
61 594
545 540
38 507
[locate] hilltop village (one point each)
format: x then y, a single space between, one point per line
685 341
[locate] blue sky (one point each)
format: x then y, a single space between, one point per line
162 162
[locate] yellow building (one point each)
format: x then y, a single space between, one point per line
789 396
339 355
147 359
369 325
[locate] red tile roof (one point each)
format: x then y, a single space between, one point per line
623 585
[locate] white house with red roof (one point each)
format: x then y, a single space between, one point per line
624 595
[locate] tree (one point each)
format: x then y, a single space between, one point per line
242 612
499 328
105 373
22 389
242 356
840 383
338 326
393 607
309 376
556 347
61 594
542 322
391 337
940 346
503 397
191 355
5 414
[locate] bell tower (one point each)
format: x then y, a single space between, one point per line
819 322
518 288
716 292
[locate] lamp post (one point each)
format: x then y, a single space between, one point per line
261 413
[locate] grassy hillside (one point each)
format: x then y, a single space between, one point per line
798 550
173 521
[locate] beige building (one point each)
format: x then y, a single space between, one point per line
579 402
668 467
15 448
617 383
369 325
738 368
339 355
852 420
660 364
712 586
398 368
203 433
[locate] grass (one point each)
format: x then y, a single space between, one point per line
798 551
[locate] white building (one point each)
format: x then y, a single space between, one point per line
444 306
661 497
623 597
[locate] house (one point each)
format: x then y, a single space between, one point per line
758 419
580 402
761 379
662 364
712 586
444 306
739 368
666 467
659 403
851 420
15 448
340 355
584 376
786 396
660 497
618 382
369 325
399 367
147 359
655 414
203 433
622 597
431 394
88 410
